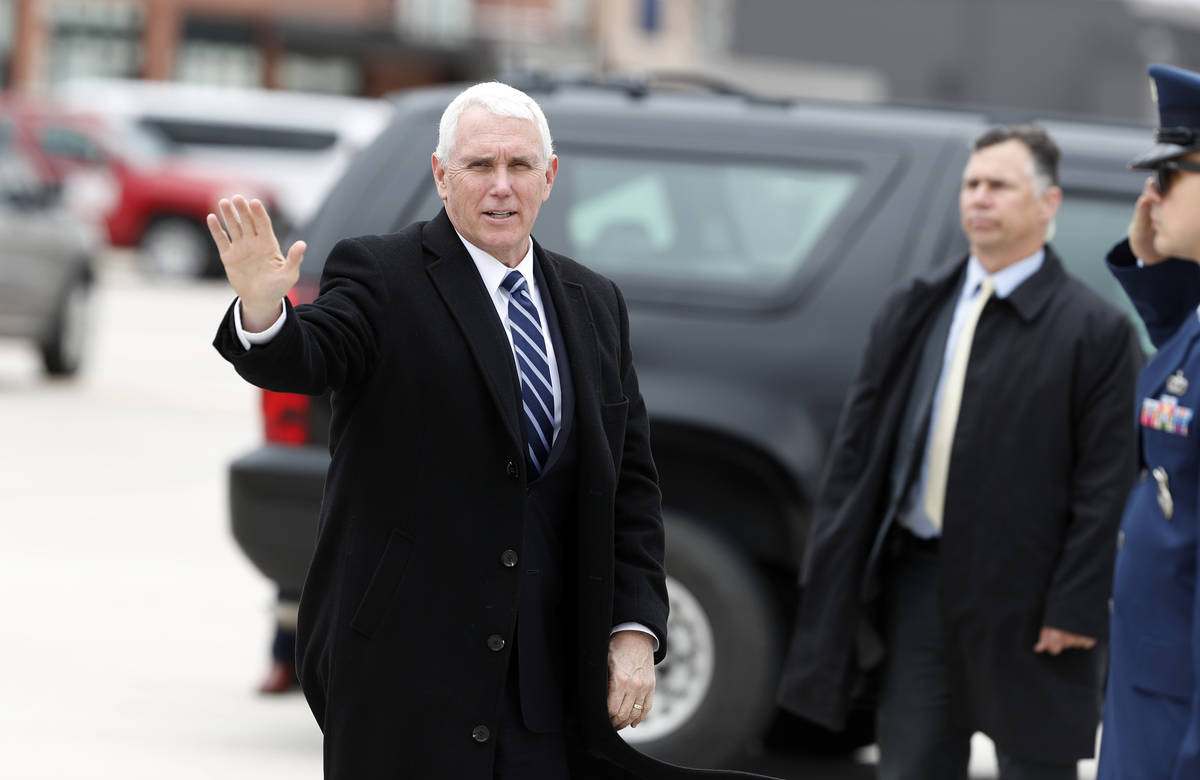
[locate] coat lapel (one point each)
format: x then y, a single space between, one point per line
583 357
457 281
921 306
566 388
578 331
907 345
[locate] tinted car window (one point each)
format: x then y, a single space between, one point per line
65 142
709 222
714 221
1087 226
195 133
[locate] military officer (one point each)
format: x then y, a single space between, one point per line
1152 710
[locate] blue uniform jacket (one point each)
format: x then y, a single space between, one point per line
1152 707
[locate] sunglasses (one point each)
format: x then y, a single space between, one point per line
1164 172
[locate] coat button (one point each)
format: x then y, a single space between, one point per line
495 643
509 558
512 470
1110 606
1120 539
480 734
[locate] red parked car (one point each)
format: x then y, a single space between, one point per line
145 197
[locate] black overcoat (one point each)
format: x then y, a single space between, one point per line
1041 463
417 558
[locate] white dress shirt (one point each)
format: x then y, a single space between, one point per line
492 271
912 510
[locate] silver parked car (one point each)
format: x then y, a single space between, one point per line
46 267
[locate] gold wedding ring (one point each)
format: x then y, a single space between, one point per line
637 706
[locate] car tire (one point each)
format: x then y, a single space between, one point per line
63 349
178 248
716 689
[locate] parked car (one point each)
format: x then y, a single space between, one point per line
46 267
297 143
145 195
754 242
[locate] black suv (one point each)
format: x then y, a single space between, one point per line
754 241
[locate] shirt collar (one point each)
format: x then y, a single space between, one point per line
492 271
1006 279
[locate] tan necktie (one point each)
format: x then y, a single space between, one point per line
945 417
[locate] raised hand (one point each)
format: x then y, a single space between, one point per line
1141 229
257 269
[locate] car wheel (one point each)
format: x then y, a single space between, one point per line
715 691
174 247
63 349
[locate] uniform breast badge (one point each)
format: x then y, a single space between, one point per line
1177 383
1165 502
1166 414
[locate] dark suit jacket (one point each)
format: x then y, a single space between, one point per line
1039 469
414 568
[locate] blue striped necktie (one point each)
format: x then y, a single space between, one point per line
537 394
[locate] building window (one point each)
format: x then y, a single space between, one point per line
206 62
436 20
8 20
95 39
651 16
214 51
334 75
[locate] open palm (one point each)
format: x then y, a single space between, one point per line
257 270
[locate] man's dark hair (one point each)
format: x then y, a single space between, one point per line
1043 148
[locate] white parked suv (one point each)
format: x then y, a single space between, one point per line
296 143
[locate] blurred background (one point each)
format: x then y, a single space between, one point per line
978 51
133 632
951 51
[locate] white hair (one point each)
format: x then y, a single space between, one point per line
499 99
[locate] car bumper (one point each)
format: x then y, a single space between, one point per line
274 501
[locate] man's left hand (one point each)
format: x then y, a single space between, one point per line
1054 641
630 678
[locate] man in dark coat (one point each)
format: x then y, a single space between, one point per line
961 549
487 596
1152 703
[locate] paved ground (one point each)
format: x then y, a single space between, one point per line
132 631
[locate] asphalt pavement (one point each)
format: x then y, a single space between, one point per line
132 630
